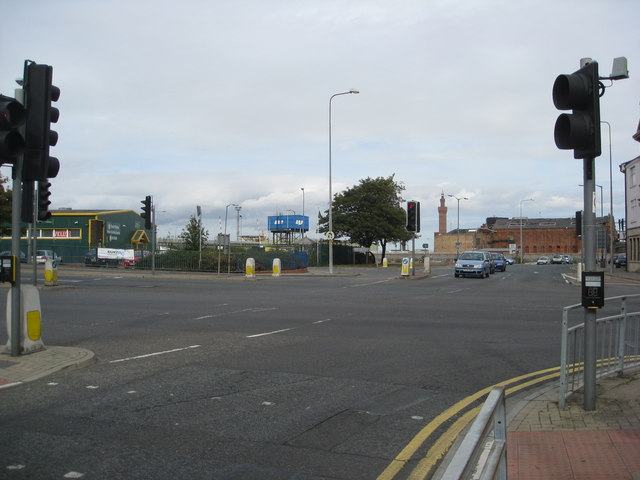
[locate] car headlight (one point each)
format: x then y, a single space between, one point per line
458 265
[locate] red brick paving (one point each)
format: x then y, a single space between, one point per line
574 455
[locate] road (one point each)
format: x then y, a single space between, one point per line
311 377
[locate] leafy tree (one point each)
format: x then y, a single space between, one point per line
369 212
193 234
5 207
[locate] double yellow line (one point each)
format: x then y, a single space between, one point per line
444 442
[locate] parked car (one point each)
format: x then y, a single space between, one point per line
620 260
557 258
43 255
568 259
477 264
543 260
499 262
510 261
23 257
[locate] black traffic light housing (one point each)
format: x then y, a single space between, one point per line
43 201
39 94
146 212
580 130
12 116
413 216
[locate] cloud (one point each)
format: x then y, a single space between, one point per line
210 103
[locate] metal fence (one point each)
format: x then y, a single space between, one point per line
618 344
491 419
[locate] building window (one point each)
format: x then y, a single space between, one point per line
58 233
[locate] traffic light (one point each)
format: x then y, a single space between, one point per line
43 201
579 130
146 212
26 213
12 116
413 216
39 94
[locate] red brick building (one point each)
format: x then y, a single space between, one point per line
540 236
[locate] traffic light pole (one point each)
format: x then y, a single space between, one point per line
589 259
16 213
16 217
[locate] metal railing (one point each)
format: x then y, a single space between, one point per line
492 418
618 345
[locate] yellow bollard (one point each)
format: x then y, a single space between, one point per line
405 267
250 268
50 273
385 263
276 267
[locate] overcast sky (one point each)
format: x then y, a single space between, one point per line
216 102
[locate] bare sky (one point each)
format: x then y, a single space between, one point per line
216 102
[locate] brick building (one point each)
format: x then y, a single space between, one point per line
540 236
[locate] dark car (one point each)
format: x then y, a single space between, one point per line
620 260
23 257
499 262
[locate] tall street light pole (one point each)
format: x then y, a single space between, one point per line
302 226
521 245
330 233
458 229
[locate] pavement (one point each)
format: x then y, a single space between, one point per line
26 368
543 442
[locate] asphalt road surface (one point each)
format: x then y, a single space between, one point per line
306 377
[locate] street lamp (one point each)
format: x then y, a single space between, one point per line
226 212
458 229
521 245
302 227
330 233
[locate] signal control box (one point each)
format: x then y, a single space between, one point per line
593 289
8 268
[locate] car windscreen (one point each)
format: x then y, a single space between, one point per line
472 256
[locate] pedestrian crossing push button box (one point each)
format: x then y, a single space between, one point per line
593 289
8 268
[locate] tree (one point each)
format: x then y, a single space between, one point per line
194 235
5 207
369 212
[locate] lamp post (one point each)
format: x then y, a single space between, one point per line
226 211
330 232
610 201
302 226
458 229
521 245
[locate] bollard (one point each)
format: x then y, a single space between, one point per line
250 268
427 265
277 266
50 273
385 263
30 319
405 267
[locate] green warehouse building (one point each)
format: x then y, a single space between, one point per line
70 234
